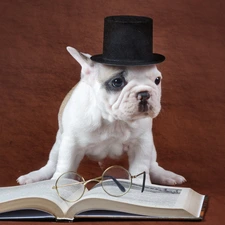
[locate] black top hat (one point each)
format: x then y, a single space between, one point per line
128 41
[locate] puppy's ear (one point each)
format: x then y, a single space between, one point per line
83 59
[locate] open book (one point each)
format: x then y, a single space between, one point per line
40 201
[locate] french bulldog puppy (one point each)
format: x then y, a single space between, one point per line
108 112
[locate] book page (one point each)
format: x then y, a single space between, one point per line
153 196
34 191
155 201
194 206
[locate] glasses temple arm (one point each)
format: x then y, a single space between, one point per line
143 184
144 178
119 185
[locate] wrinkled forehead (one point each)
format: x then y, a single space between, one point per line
106 72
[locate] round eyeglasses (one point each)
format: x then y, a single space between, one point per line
116 181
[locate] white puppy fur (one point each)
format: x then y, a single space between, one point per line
108 112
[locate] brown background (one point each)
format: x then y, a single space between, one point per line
36 72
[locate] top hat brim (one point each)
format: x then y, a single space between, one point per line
155 59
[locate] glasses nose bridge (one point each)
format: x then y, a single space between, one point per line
97 179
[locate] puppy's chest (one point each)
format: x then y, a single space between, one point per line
110 140
119 131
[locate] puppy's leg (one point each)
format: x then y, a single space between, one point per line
139 160
69 156
48 170
161 176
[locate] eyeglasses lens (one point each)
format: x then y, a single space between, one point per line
70 186
116 181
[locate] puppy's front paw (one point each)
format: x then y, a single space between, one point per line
172 179
165 177
32 177
25 179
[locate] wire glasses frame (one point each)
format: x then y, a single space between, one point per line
112 182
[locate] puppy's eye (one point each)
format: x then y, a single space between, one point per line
157 80
118 82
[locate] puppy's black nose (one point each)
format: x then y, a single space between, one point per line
143 96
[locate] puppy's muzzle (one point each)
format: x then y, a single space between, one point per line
143 97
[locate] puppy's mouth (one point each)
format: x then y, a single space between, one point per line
143 106
143 97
